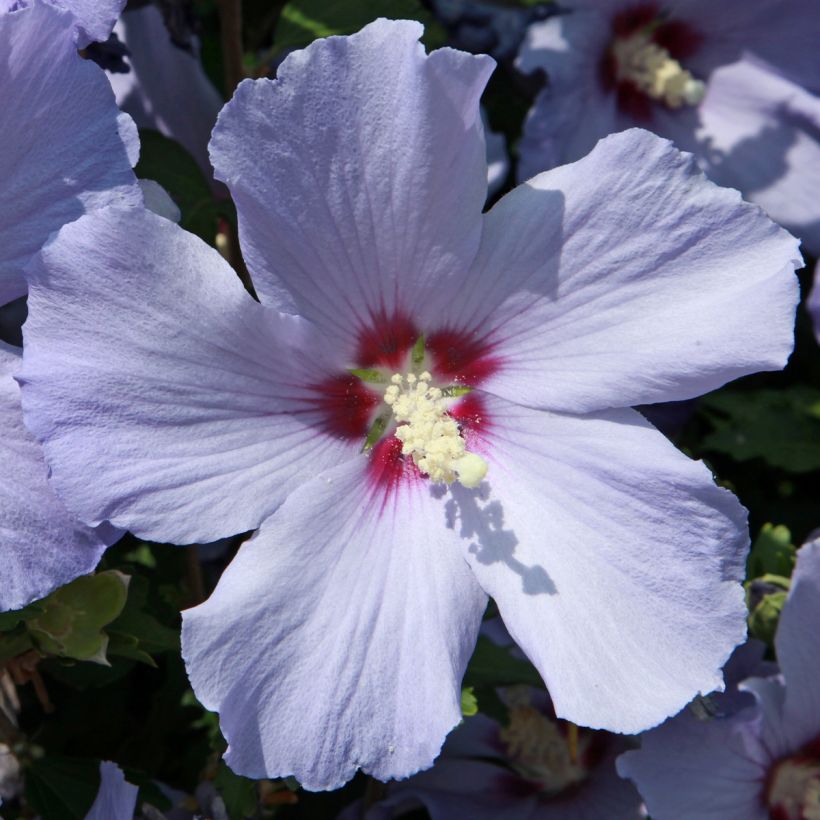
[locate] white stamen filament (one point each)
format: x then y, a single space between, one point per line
429 434
655 72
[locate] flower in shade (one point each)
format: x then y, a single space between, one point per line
166 88
41 545
735 83
117 798
65 149
405 345
761 761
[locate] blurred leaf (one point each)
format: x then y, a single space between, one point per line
493 665
168 163
9 620
73 617
136 627
780 426
772 552
127 646
208 722
61 787
764 618
469 704
238 793
303 21
142 555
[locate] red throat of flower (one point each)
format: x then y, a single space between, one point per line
408 400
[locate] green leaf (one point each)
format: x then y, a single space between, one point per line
772 552
782 427
73 617
137 627
61 787
166 161
302 21
239 793
127 646
493 665
469 704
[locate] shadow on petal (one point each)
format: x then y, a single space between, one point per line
481 519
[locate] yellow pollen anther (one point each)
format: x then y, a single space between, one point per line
655 72
429 434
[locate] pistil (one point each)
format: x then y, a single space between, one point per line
655 72
429 434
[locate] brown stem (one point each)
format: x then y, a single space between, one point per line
230 23
572 742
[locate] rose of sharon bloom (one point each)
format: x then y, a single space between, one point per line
429 405
41 545
65 148
762 761
734 82
117 798
534 768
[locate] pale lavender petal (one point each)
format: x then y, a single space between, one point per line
63 148
760 133
95 18
169 401
614 559
798 648
359 174
158 200
690 769
628 278
117 798
338 636
41 546
167 88
770 696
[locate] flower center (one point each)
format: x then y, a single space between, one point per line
652 69
794 789
429 434
539 751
